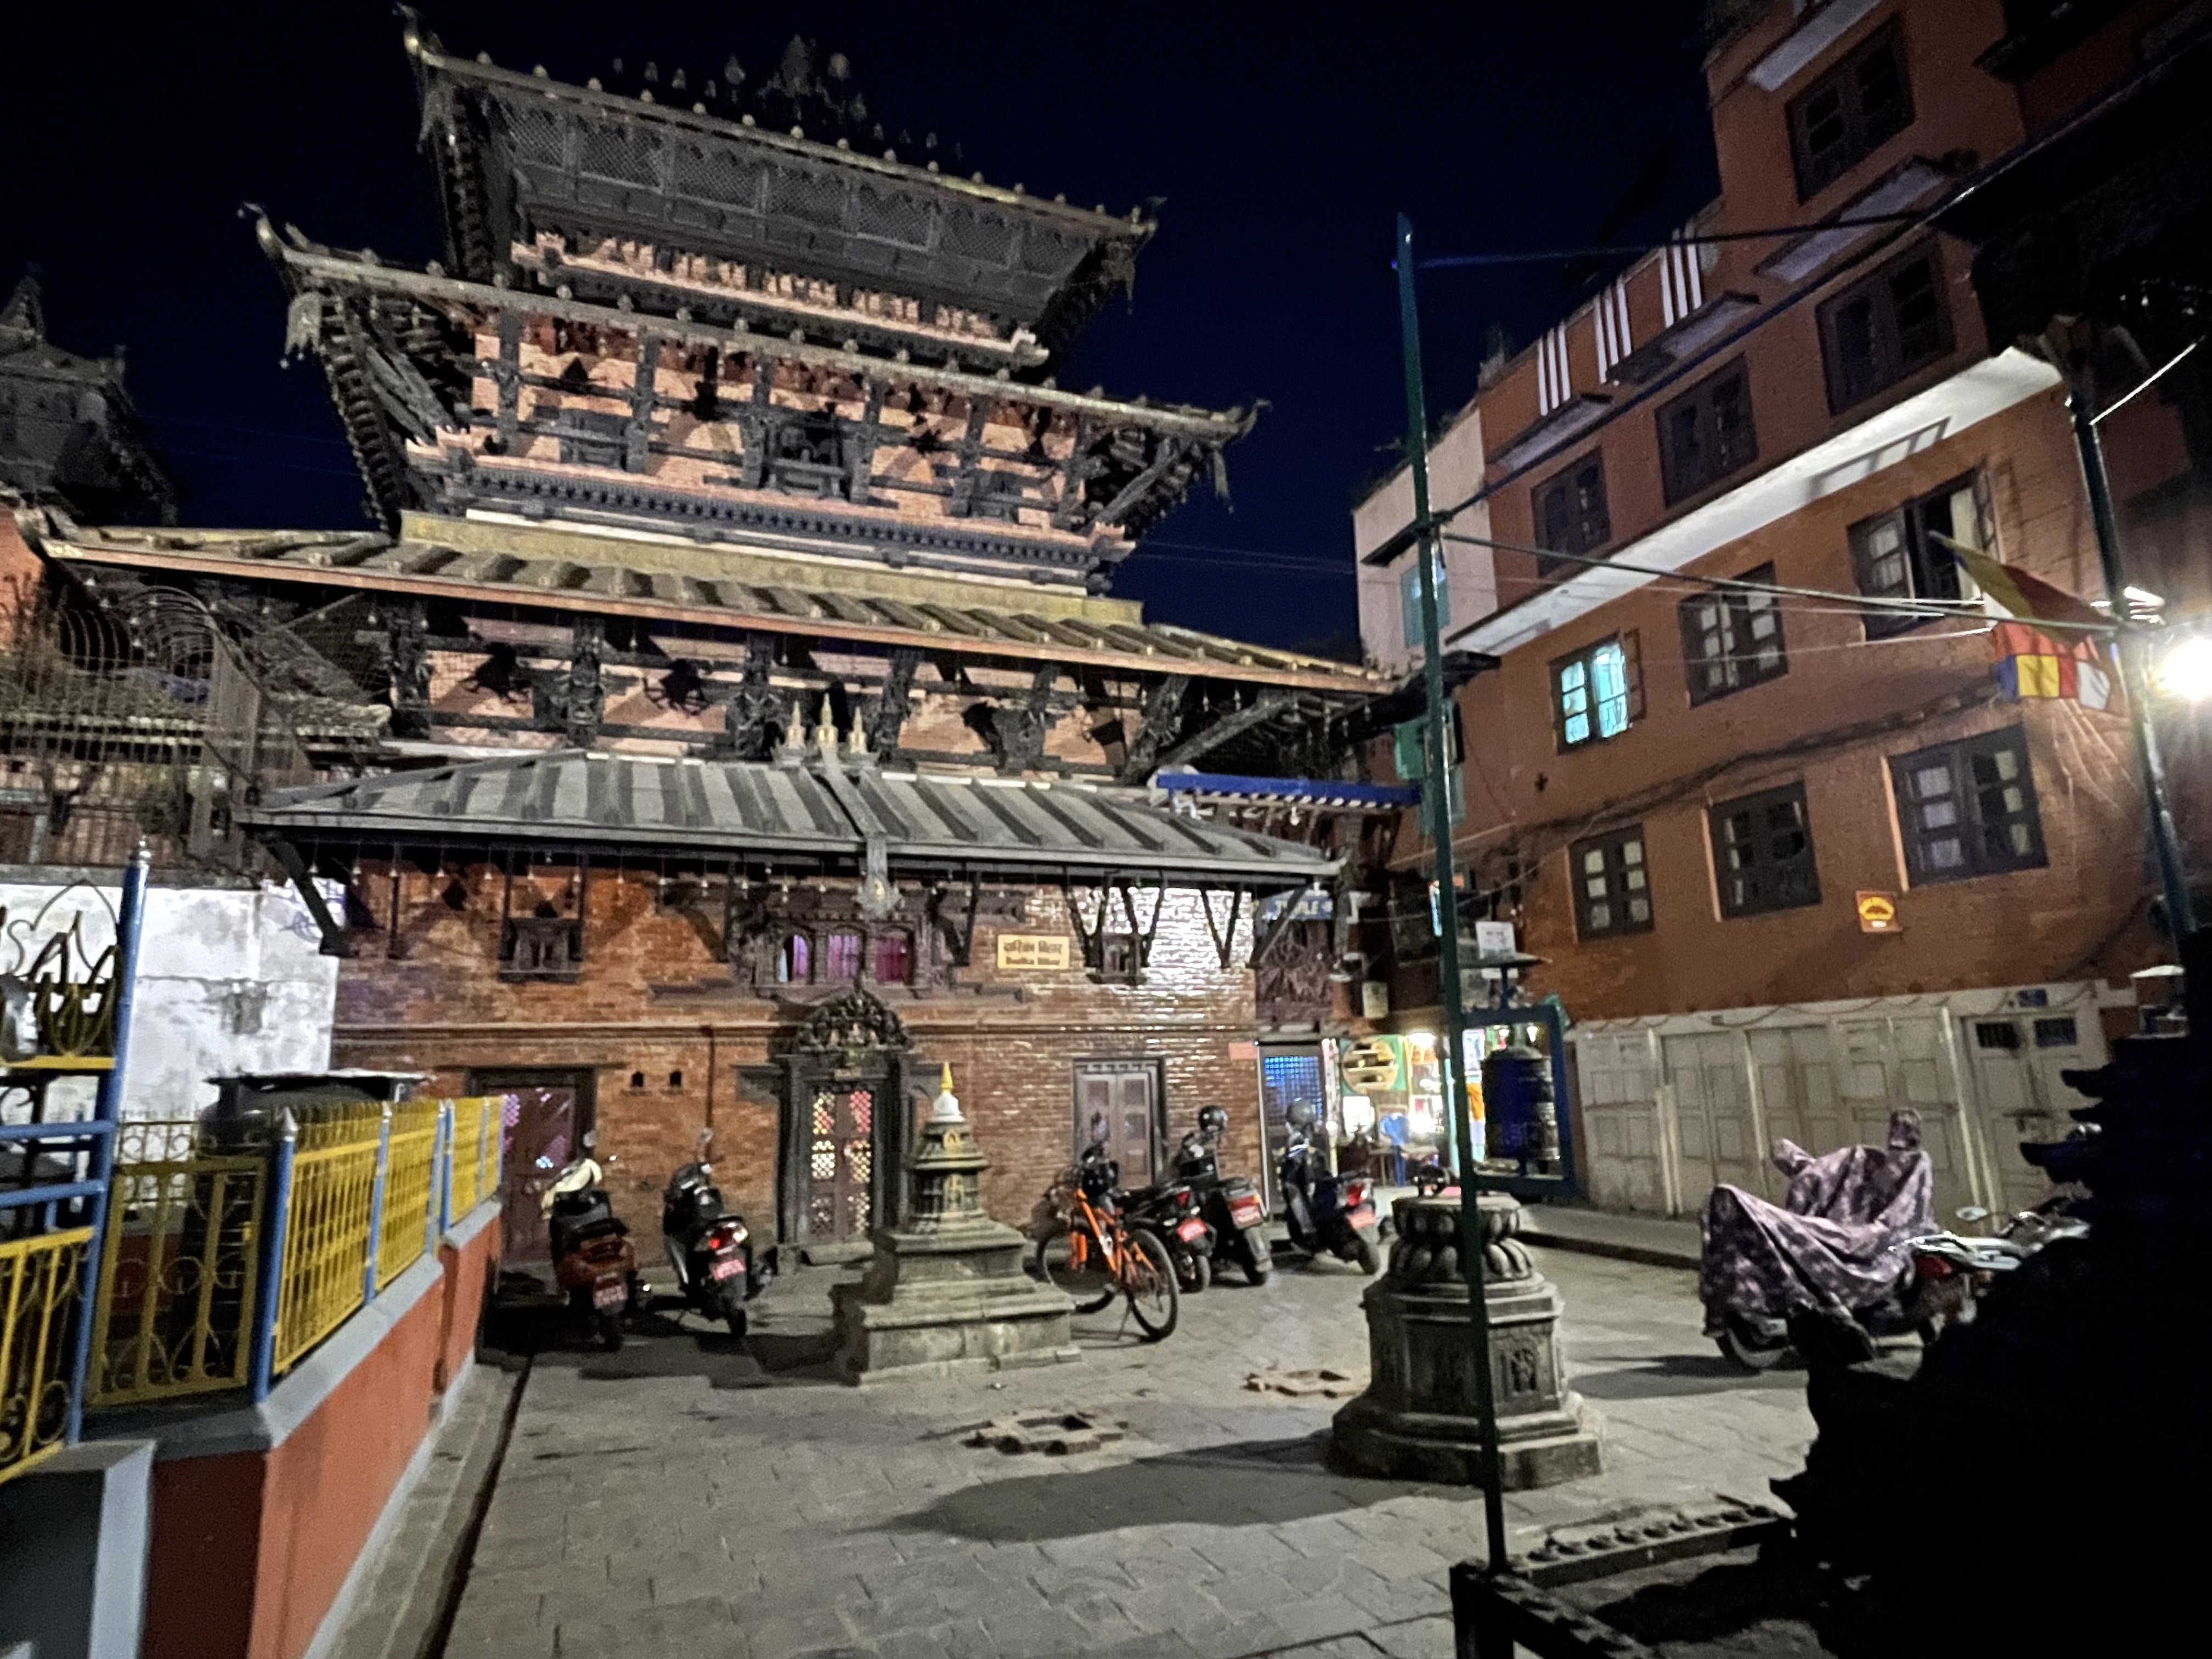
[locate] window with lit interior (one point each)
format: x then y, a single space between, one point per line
1595 692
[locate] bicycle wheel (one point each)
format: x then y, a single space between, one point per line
1070 1259
1148 1280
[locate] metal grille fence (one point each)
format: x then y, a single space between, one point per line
39 1281
473 1162
184 1300
175 1314
324 1277
410 1167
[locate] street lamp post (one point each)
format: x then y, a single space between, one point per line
2132 647
1436 801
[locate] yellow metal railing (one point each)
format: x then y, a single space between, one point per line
324 1276
175 1314
38 1282
474 1166
411 1168
182 1293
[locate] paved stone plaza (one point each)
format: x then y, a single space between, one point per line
692 1497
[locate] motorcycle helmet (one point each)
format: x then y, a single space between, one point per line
1213 1122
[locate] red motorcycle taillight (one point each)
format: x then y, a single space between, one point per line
1932 1267
726 1236
1355 1193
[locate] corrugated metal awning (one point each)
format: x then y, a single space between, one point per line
827 811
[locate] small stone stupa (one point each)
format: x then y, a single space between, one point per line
946 1290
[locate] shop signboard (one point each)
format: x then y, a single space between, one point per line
1307 905
1046 951
1878 913
1373 1065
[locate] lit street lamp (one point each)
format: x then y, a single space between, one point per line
2184 668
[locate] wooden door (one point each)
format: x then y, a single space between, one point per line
1619 1120
838 1171
1117 1101
1797 1094
544 1122
1712 1104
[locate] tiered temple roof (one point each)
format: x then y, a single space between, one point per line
657 317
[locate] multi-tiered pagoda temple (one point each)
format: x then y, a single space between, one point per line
735 615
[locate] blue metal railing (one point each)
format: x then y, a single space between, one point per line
62 1193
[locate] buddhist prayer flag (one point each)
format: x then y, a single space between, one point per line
2040 662
2016 592
2030 663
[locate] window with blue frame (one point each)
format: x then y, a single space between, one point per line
1409 603
1597 692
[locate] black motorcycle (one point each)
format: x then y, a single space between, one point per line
1175 1210
1230 1208
1324 1211
711 1247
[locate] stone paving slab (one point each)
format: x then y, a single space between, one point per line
687 1495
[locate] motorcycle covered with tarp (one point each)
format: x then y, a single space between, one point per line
1837 1246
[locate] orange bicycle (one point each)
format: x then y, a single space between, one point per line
1088 1251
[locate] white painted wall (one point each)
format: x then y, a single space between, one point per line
229 980
1673 1105
1455 465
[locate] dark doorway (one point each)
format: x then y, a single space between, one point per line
546 1117
1118 1101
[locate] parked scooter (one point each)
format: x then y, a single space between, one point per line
1231 1209
1323 1211
593 1260
1951 1271
709 1246
1174 1211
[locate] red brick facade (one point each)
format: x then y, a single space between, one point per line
654 1003
1852 698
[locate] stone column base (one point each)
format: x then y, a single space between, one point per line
951 1300
1419 1419
1369 1438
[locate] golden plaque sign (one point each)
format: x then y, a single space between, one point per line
1044 951
1878 913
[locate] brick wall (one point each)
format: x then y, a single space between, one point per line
652 1002
2080 917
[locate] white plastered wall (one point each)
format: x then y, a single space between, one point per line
229 980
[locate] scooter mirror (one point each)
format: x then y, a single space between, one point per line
1970 1212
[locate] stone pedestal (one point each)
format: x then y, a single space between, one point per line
1417 1420
946 1290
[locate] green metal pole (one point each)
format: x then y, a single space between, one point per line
1436 798
2165 840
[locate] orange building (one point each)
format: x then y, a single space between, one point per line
1699 801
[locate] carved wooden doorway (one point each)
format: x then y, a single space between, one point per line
845 1071
841 1154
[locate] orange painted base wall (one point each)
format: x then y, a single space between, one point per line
310 1504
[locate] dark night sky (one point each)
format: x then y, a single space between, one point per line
1283 148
